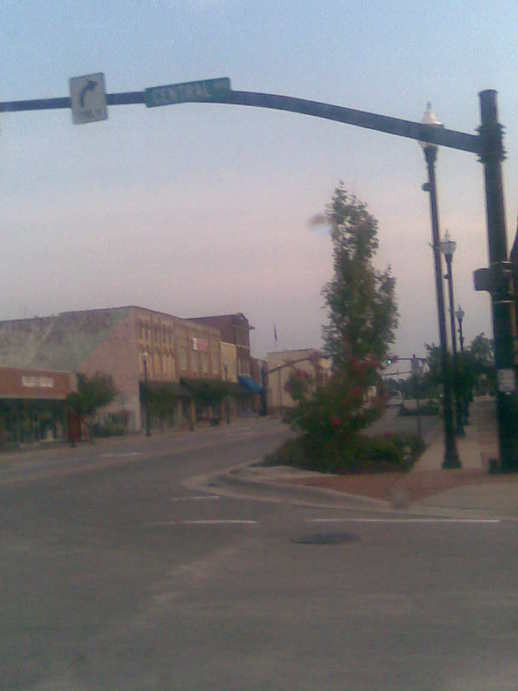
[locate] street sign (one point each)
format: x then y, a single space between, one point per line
88 98
188 91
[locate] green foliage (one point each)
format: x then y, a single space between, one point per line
482 350
208 392
482 355
473 370
161 398
387 453
115 425
338 409
92 393
298 384
361 300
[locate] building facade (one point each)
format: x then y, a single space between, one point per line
235 329
115 341
282 364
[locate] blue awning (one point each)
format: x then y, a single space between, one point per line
249 384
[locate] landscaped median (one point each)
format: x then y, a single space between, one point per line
357 454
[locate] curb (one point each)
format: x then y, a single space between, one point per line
234 483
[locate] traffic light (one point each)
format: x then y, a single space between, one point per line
390 360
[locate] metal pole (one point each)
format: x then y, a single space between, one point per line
415 370
451 457
146 400
449 277
502 300
461 336
458 402
264 395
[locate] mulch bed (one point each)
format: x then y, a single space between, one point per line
415 486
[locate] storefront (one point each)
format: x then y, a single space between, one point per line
32 404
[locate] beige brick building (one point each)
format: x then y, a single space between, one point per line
282 364
114 341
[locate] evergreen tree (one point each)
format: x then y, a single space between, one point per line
361 300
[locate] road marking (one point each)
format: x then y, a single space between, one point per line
201 497
403 520
121 454
207 522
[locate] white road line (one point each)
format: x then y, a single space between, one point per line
404 520
206 522
201 497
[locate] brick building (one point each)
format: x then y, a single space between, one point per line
235 329
114 341
282 364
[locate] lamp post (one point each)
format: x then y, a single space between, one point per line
451 457
460 317
146 394
448 249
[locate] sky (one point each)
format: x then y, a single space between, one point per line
198 209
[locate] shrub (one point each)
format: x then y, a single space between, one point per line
391 452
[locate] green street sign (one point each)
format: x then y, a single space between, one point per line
188 91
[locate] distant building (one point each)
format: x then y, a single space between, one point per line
282 364
235 329
132 343
114 341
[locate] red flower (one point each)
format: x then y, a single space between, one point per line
356 392
335 422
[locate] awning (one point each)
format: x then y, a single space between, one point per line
249 384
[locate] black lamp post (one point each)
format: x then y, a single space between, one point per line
448 249
146 395
460 317
451 457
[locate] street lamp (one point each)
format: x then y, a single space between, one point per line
460 317
145 356
451 457
448 249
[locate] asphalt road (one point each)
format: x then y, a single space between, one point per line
115 575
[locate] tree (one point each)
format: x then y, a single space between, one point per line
92 393
161 399
361 300
482 354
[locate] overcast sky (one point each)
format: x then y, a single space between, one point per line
200 209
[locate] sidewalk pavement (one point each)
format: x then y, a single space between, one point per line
427 486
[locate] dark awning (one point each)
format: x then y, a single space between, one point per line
249 384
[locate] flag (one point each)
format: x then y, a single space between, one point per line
275 338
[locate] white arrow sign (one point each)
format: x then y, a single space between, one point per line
88 97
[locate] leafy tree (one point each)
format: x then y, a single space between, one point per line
482 351
208 392
331 418
92 393
361 300
298 384
161 398
482 355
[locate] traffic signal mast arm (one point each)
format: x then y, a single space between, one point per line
350 116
